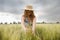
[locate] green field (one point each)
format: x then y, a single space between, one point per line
43 32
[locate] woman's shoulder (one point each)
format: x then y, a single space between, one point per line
34 17
23 16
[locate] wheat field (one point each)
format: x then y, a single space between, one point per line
43 32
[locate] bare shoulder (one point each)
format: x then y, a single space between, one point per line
23 16
35 17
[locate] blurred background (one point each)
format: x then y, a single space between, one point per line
47 18
45 10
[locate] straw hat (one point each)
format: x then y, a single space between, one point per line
29 7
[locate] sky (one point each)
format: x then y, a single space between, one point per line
44 10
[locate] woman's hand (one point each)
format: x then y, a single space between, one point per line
33 31
24 28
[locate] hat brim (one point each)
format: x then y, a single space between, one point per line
28 9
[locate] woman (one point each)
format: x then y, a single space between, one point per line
28 21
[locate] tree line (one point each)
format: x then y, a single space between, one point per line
37 23
11 23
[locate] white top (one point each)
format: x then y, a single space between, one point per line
27 23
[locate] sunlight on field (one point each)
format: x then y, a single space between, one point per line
43 32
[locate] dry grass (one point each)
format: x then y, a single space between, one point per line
43 32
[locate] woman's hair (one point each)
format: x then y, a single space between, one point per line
29 14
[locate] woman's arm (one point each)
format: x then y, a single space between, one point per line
34 25
22 23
